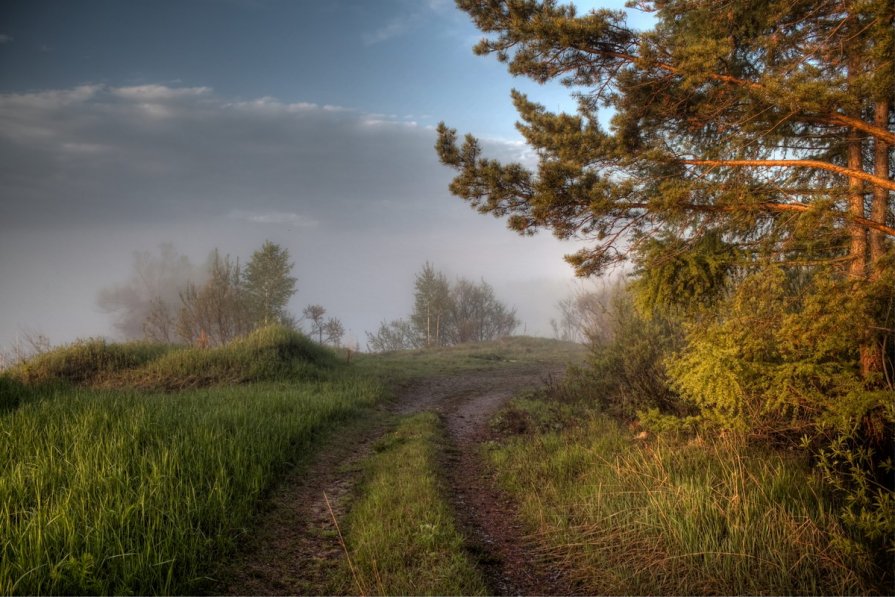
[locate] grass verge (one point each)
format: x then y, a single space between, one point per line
400 534
627 516
133 493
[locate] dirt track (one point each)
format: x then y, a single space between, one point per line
296 547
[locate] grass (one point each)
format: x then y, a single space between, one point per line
84 361
127 491
507 352
400 533
627 516
266 354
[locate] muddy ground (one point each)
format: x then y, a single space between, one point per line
295 549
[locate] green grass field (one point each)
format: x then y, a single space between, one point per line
134 468
127 491
509 352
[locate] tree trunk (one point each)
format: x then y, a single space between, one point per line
870 354
880 207
858 245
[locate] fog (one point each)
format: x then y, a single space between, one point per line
95 172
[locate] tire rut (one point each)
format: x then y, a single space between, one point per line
294 548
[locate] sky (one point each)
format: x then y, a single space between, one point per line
224 123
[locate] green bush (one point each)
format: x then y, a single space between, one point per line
626 373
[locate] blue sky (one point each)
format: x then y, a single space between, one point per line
411 58
222 123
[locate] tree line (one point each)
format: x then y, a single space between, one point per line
169 299
445 314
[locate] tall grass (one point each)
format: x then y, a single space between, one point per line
400 532
85 360
266 354
631 517
126 492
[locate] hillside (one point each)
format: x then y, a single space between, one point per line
273 466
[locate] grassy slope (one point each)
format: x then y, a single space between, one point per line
626 516
108 485
515 351
128 491
124 490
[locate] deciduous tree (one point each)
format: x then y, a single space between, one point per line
431 304
269 284
315 313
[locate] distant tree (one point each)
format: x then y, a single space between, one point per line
476 315
398 334
432 302
153 290
315 313
160 323
334 331
584 315
268 283
445 314
28 344
217 310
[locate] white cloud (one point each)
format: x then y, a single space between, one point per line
394 28
158 92
274 217
155 150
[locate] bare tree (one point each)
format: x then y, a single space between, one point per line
315 314
334 331
153 291
217 310
398 334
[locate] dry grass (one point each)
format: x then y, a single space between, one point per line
623 516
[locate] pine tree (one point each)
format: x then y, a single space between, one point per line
768 123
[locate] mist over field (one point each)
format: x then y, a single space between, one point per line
100 159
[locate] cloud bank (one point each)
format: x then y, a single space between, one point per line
91 173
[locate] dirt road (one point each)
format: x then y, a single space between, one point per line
295 549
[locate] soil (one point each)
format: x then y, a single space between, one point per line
295 546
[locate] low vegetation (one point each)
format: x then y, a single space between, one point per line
514 350
621 515
401 537
128 491
86 361
133 468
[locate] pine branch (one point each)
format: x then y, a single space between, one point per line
851 173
